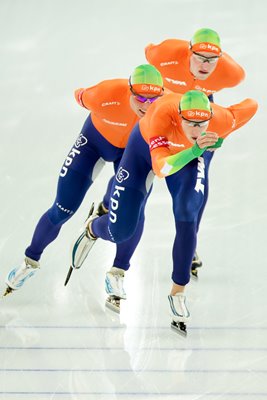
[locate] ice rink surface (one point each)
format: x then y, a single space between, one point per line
59 342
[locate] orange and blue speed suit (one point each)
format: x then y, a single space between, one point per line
103 138
172 59
159 146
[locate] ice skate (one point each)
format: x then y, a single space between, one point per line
196 263
82 245
101 209
179 313
114 288
18 276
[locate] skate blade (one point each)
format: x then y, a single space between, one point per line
68 276
196 264
8 291
194 274
179 327
113 304
90 211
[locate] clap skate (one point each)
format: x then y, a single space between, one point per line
179 313
101 209
196 263
114 289
82 245
18 276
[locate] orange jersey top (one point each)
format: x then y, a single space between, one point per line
161 126
109 103
171 58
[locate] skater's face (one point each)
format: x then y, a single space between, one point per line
203 64
193 129
140 103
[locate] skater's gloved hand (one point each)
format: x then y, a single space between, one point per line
216 146
207 139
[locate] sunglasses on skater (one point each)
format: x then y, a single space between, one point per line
194 123
143 99
203 59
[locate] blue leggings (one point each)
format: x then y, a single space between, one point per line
82 165
131 188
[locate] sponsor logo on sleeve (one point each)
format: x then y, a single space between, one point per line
158 141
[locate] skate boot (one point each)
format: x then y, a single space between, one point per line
19 275
114 288
196 263
82 245
101 209
179 313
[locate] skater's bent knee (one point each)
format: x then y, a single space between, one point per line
121 234
59 214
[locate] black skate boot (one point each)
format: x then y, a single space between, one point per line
196 263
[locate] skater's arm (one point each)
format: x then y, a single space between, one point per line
165 164
177 161
93 97
228 119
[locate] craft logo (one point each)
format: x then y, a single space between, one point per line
65 210
111 103
164 64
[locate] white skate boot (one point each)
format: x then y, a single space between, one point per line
82 245
114 288
179 313
16 278
196 263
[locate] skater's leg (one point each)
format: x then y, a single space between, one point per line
104 205
115 277
124 223
71 191
79 169
85 241
106 197
208 155
128 194
187 188
196 262
125 249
